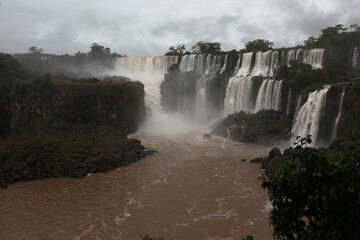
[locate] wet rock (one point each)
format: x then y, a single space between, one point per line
257 160
150 152
262 177
207 135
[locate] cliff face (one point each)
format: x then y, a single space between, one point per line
113 104
69 128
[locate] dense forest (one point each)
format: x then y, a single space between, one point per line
55 126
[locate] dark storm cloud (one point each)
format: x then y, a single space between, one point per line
141 27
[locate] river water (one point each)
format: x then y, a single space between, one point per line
194 188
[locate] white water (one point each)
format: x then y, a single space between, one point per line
245 65
148 70
269 96
188 63
337 119
308 119
238 95
314 57
262 64
288 104
355 58
239 92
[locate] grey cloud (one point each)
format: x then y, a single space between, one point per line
148 28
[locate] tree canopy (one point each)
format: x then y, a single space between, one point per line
259 45
206 47
35 51
315 197
176 51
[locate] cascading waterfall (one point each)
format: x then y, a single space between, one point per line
337 119
269 96
288 104
355 58
314 57
262 64
245 65
238 64
201 99
225 64
308 118
239 93
188 63
239 88
150 71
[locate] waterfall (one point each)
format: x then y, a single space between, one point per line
337 119
314 57
225 64
201 99
262 64
355 58
288 104
238 64
188 63
239 89
238 95
245 65
308 118
269 96
290 56
274 63
200 63
297 108
150 71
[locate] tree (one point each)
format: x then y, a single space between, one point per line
259 45
354 28
179 50
97 51
35 51
315 197
206 48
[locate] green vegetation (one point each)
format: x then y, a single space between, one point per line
57 127
206 48
258 45
176 51
37 63
315 195
264 127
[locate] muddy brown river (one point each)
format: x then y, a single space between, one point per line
194 188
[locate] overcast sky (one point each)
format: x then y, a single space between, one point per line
149 27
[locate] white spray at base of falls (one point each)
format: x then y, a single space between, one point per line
308 118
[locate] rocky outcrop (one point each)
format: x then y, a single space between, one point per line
39 167
263 128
